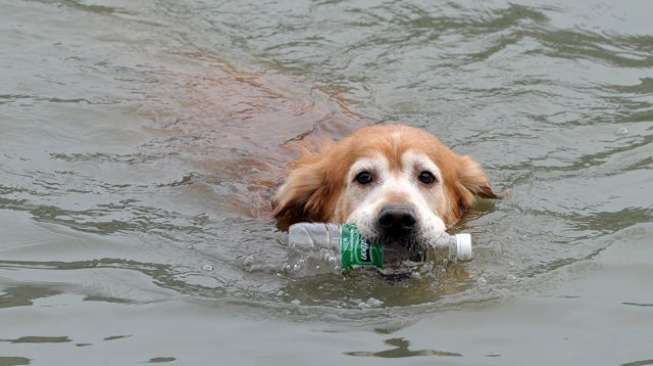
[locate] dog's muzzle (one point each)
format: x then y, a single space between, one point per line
397 229
396 221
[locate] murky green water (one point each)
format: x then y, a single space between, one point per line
140 141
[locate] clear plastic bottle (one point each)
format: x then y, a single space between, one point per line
329 248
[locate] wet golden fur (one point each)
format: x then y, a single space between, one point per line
315 182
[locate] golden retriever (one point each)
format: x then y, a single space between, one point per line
399 185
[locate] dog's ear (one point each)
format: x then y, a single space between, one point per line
472 182
306 193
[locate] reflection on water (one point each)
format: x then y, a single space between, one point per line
161 359
111 338
368 289
638 304
14 361
400 350
23 295
38 339
638 363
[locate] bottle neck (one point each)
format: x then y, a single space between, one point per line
443 240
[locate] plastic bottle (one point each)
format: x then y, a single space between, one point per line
322 248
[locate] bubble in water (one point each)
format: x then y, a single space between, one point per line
248 261
622 131
370 303
207 267
374 302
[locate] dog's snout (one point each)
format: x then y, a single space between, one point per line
397 220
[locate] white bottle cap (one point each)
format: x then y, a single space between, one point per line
464 247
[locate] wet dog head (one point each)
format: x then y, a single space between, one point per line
398 184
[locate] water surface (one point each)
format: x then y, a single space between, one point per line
140 143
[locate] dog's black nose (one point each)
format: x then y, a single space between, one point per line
396 220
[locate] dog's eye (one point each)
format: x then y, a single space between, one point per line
364 177
427 177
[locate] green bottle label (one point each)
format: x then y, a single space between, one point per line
355 252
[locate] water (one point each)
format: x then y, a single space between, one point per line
140 142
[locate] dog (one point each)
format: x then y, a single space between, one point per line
399 185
